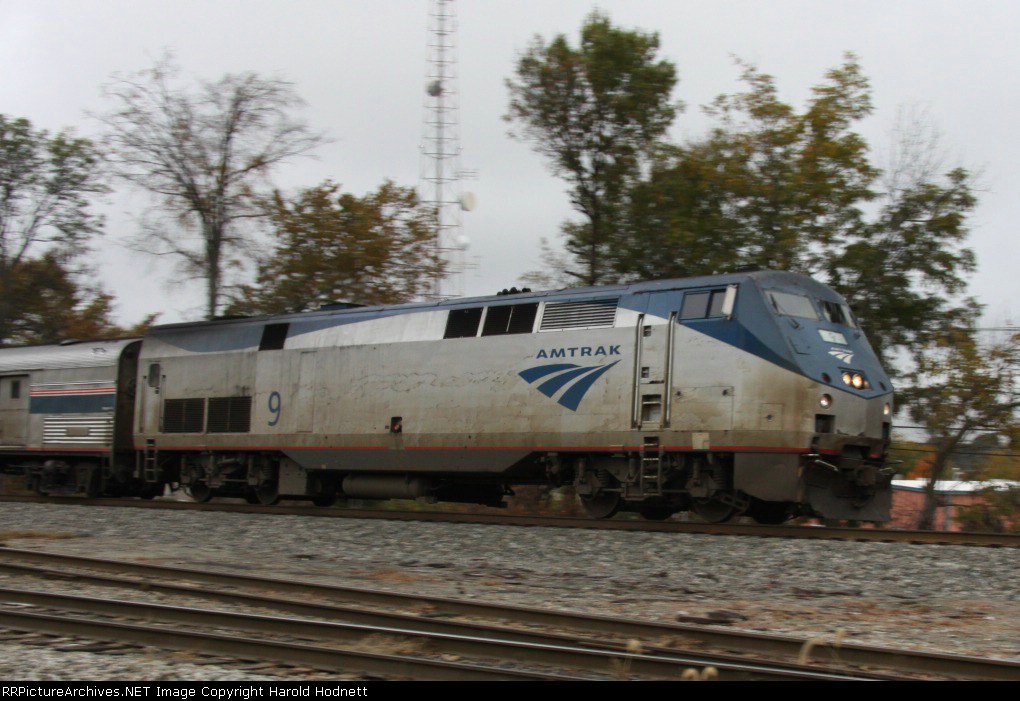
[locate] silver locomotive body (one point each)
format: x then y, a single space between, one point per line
750 393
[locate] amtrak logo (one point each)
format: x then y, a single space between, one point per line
842 354
576 378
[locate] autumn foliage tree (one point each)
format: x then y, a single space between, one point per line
781 188
47 184
52 305
960 387
334 246
769 186
595 112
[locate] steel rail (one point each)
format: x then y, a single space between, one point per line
299 654
1000 540
413 622
788 647
558 651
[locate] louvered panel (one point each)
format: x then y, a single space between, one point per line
229 415
183 415
95 431
579 315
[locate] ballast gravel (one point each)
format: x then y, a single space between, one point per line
952 599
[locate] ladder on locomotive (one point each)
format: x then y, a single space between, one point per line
650 474
150 469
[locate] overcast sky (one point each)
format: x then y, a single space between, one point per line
360 66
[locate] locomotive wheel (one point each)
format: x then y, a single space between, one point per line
151 491
200 492
656 513
89 475
250 496
268 493
34 481
770 513
323 492
604 505
713 510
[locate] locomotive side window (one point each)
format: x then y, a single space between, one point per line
515 318
793 305
463 323
703 305
273 336
15 389
837 313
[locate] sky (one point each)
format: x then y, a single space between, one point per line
361 68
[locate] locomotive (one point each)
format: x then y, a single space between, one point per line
752 393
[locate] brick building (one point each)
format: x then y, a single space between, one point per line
908 500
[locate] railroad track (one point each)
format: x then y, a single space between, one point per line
1004 540
562 656
580 646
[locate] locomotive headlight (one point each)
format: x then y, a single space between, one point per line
855 379
826 401
887 409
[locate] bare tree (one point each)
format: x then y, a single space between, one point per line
205 156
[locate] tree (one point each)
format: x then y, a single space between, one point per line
204 156
904 270
998 511
778 188
595 112
333 246
45 188
782 186
52 306
958 388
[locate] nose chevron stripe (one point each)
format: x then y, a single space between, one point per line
551 387
581 377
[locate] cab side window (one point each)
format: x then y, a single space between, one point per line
707 304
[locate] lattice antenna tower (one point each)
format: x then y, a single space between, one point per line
440 185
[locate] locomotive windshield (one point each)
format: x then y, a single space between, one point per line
801 306
791 304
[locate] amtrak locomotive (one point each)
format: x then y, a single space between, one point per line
751 394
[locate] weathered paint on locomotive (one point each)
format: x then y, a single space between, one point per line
380 390
702 393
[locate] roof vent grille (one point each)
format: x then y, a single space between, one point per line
590 314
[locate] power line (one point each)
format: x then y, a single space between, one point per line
953 428
955 452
